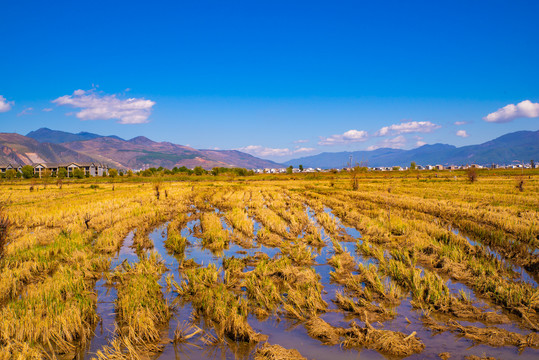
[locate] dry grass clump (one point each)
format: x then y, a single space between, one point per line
240 221
272 221
491 335
120 348
277 352
365 310
140 305
175 242
22 350
327 221
58 312
313 236
214 237
388 342
482 357
299 253
343 261
321 330
211 298
265 237
279 282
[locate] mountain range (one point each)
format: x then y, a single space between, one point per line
517 146
46 145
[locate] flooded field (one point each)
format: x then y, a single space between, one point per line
399 268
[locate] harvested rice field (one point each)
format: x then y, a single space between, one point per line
288 268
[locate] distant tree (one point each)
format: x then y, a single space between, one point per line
532 163
11 174
413 165
198 170
129 173
215 171
78 173
396 168
27 171
113 173
471 172
289 169
300 167
62 173
354 176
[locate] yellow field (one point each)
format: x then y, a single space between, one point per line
250 268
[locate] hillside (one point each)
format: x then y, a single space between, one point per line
15 148
520 145
136 153
142 152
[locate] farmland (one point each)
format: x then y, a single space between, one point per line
272 268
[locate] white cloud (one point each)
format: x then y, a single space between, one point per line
258 150
5 105
47 109
302 150
301 141
395 143
462 133
94 106
26 111
510 112
458 123
407 127
351 136
419 143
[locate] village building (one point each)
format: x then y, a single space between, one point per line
89 169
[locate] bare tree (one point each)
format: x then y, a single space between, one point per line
472 174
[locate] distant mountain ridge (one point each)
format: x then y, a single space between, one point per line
46 135
520 145
46 145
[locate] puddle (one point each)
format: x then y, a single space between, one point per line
106 295
280 330
524 275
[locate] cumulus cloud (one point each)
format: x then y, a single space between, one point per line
47 109
258 150
5 105
459 123
462 133
351 136
407 127
510 112
394 143
419 143
96 106
301 141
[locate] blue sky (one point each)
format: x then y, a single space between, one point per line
279 79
